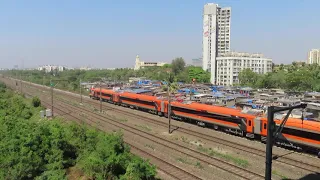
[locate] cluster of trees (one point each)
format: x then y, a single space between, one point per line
294 77
39 149
177 68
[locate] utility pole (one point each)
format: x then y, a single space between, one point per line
270 130
20 84
100 98
272 133
169 109
51 84
80 92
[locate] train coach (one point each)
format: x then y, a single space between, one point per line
295 133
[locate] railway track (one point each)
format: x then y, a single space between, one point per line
251 150
204 158
254 151
167 167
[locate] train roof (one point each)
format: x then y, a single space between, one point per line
298 123
212 109
103 90
134 96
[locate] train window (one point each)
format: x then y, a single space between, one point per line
249 122
138 101
207 115
265 126
301 133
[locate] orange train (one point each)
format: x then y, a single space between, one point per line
296 133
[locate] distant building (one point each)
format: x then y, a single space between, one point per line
140 64
51 68
230 64
85 68
197 62
314 56
216 36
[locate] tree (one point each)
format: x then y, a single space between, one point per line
178 65
248 78
199 74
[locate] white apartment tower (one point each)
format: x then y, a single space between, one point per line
216 36
314 56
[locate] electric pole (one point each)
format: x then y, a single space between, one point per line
169 109
270 142
20 84
80 92
100 98
51 97
273 133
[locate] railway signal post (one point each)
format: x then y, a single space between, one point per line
273 132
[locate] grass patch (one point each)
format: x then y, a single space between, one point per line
149 146
279 174
184 139
188 162
120 119
143 127
198 165
184 161
238 161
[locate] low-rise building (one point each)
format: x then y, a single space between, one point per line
230 64
141 64
50 68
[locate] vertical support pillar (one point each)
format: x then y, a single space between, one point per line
100 99
270 130
169 109
80 92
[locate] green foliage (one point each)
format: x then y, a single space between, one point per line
199 74
179 72
36 101
295 77
31 148
177 65
247 77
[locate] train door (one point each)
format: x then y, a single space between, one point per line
257 126
162 107
263 128
116 98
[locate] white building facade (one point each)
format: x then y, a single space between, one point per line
141 64
50 68
230 64
216 36
314 56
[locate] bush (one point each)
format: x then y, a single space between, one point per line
33 149
36 101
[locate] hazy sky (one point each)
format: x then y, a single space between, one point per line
111 33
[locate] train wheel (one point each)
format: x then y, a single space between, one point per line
319 154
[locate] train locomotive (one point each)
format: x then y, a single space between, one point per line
296 132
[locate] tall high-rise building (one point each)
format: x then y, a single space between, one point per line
314 56
216 36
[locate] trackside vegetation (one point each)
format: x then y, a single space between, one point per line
72 77
34 148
